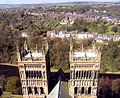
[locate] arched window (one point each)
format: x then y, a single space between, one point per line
90 75
89 90
29 74
95 76
44 74
26 74
32 74
82 90
87 75
76 74
36 91
39 74
41 90
79 74
75 90
84 74
29 90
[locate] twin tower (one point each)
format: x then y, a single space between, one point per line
34 71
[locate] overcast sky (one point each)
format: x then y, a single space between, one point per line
46 1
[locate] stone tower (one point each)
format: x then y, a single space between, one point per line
33 70
84 69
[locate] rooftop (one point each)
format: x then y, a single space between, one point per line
35 55
85 54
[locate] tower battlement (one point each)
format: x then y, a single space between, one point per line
86 56
32 55
28 55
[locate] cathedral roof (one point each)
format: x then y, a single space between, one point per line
33 55
85 54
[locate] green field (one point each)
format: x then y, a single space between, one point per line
9 95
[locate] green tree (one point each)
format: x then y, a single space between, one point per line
116 88
13 85
115 29
59 53
110 57
2 82
104 88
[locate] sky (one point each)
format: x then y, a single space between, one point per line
46 1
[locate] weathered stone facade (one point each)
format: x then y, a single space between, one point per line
84 69
33 70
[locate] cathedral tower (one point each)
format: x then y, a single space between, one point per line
84 69
33 70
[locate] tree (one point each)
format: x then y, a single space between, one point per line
110 56
2 82
102 29
116 88
13 85
80 25
104 88
115 29
59 53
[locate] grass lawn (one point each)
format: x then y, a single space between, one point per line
9 95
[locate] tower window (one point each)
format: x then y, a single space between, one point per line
26 74
76 74
44 74
39 74
36 91
35 74
90 75
82 90
79 74
87 74
89 90
84 74
29 90
75 90
32 74
41 90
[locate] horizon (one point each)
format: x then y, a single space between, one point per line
50 1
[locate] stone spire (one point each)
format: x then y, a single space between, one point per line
36 49
25 44
71 44
46 45
18 54
93 46
82 47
